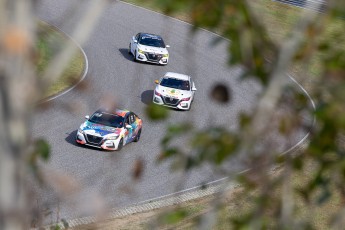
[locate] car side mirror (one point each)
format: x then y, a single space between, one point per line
193 89
87 117
128 127
156 81
167 46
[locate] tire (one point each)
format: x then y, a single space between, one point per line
120 145
129 49
135 56
190 106
137 138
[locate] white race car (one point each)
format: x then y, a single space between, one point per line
174 90
149 48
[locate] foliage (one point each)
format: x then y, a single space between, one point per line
276 204
41 151
49 42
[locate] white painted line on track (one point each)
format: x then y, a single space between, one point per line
183 191
314 120
175 19
189 189
86 67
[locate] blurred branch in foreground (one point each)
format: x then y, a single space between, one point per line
20 88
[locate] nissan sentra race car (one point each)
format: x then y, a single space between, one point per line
147 47
110 130
174 90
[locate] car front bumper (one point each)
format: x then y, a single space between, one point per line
157 58
103 144
182 105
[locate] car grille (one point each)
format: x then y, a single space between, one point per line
93 139
170 101
153 57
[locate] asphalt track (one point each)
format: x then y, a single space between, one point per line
105 177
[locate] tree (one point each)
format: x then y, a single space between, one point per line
269 62
20 89
251 47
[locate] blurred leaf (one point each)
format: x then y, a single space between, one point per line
174 216
325 195
156 112
297 163
167 153
65 223
220 93
245 120
190 163
42 149
214 145
138 169
174 131
55 227
179 128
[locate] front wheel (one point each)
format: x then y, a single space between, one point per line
137 138
135 56
129 49
120 145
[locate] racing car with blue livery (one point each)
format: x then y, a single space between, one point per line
110 130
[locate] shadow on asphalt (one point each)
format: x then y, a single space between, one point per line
146 97
71 140
125 54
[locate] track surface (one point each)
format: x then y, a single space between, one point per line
112 72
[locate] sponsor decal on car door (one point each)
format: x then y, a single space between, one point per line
129 131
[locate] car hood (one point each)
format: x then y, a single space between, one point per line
153 49
99 130
174 93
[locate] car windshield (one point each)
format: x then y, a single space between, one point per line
154 41
107 119
175 83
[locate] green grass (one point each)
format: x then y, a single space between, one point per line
280 20
50 41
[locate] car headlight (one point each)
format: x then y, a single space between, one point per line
80 131
141 51
112 137
185 99
165 55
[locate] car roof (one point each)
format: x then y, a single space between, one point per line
121 112
177 76
118 112
149 35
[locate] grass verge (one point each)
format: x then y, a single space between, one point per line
50 41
